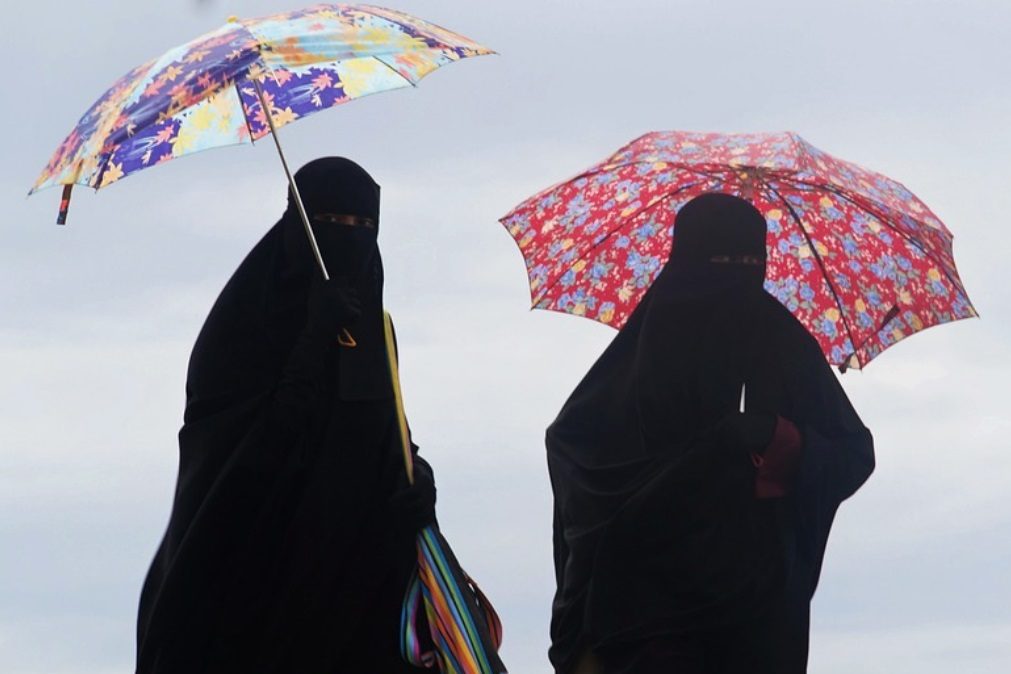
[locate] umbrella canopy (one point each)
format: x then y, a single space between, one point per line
201 94
856 257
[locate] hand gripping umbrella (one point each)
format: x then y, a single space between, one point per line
244 80
854 255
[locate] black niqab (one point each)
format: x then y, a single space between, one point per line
657 531
278 555
337 185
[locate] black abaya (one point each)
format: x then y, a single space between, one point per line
282 553
663 553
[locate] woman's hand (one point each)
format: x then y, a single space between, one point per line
333 305
413 508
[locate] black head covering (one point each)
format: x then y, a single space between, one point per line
287 458
258 315
719 242
638 492
339 186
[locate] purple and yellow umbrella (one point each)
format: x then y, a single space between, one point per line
244 80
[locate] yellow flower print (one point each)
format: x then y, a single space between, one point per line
579 309
579 266
905 297
774 214
860 306
832 314
172 72
804 251
357 75
185 140
112 173
915 322
821 248
286 116
567 243
933 274
202 117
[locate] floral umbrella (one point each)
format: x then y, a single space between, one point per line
239 82
856 257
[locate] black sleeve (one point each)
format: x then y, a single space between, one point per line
838 448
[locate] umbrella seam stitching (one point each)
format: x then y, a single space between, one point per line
873 205
824 270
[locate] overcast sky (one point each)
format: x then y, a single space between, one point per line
98 317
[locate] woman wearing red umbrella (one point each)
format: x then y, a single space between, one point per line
689 534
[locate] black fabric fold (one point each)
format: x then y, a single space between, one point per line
277 556
658 536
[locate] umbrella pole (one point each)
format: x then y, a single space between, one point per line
291 181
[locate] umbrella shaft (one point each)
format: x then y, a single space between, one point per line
291 181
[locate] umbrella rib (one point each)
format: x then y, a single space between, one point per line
245 117
558 276
867 205
397 72
872 207
555 272
821 264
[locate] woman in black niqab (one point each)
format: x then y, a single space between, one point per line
291 538
689 534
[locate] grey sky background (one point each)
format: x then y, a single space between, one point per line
98 317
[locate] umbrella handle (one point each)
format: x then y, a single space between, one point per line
291 180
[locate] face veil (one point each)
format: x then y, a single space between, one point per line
287 464
642 503
342 202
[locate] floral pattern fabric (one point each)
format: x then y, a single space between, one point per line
854 255
202 95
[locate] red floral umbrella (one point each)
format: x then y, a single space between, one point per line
856 257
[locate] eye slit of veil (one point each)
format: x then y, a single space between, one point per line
737 259
343 219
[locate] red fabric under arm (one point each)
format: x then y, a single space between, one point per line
778 463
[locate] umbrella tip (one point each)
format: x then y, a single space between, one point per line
233 19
